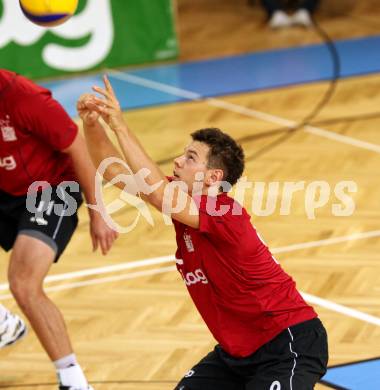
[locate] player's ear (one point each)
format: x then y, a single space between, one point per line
214 176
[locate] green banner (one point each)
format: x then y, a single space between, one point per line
102 33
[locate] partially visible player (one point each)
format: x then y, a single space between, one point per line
40 143
268 337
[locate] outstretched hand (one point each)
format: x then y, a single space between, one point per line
108 106
89 116
101 234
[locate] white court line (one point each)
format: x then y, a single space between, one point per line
341 309
342 138
103 270
167 259
164 259
133 275
183 93
327 241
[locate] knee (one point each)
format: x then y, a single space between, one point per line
23 289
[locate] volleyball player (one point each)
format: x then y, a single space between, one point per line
42 157
268 337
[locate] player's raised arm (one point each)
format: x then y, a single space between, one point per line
137 159
98 143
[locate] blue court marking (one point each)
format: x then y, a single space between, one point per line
232 75
362 375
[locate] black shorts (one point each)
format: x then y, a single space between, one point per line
51 218
294 360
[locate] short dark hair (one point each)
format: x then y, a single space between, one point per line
225 153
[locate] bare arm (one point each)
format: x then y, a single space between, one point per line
85 171
137 158
99 145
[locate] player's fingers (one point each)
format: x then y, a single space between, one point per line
84 97
94 242
103 92
93 107
110 100
104 245
106 112
89 103
81 105
108 86
110 240
100 108
103 102
111 237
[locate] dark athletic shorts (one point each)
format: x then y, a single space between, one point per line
49 222
294 360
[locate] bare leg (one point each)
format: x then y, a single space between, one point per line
30 262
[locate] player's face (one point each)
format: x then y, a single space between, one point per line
192 161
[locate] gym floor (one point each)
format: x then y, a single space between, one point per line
132 323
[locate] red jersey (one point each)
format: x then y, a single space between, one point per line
242 293
34 129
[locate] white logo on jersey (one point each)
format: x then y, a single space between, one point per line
194 277
8 163
39 220
188 242
276 385
8 132
189 373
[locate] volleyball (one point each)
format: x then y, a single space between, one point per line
48 13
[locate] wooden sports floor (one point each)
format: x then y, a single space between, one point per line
134 327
